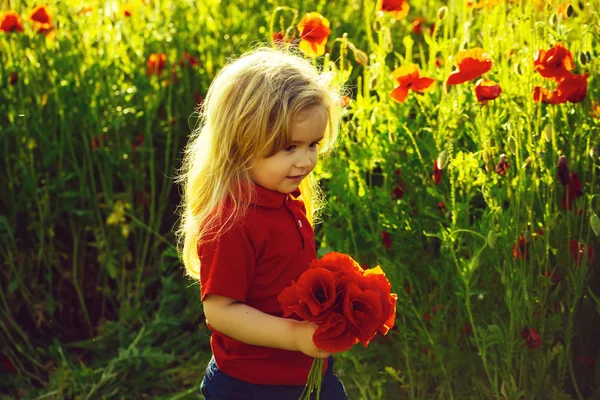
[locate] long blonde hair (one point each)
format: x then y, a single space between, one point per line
246 116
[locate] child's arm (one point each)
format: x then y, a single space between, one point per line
251 326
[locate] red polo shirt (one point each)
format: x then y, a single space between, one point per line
252 263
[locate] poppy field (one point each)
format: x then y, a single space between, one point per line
466 168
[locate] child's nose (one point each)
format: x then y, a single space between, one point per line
304 160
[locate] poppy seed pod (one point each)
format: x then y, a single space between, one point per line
361 57
442 160
583 58
548 132
441 13
563 171
491 239
595 224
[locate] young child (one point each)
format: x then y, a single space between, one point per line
245 227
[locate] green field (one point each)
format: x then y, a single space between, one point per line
474 189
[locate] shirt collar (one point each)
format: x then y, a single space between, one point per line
268 198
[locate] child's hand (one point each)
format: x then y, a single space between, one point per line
303 337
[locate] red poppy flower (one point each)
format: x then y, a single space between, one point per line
97 141
572 191
398 8
573 88
387 240
41 19
486 90
137 141
532 337
374 280
10 21
428 351
156 63
437 173
587 360
581 252
595 110
552 275
554 63
502 166
311 297
314 31
416 25
471 64
364 310
520 249
409 78
336 335
442 206
13 78
397 192
188 60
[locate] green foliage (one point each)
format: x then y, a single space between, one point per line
93 301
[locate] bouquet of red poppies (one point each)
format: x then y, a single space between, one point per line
349 304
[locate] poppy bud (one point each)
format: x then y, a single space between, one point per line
595 224
563 171
491 238
442 11
511 143
552 19
361 57
548 131
442 160
588 56
583 58
570 10
475 262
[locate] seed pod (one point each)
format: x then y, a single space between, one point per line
552 19
570 10
583 58
442 11
595 224
475 262
361 57
491 238
442 160
548 132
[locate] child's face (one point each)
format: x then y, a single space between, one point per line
284 171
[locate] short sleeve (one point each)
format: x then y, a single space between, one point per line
227 264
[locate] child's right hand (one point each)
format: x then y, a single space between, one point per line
303 337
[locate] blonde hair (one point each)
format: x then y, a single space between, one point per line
247 115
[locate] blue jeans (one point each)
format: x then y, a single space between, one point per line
219 386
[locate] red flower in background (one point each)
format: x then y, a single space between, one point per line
554 63
409 78
13 78
573 88
398 8
188 60
137 141
314 31
156 63
437 173
41 20
471 64
563 170
486 90
572 191
532 337
520 249
581 253
502 166
10 21
387 240
416 25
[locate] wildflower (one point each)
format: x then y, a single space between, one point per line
502 165
13 78
552 275
437 173
580 252
314 31
397 192
573 88
188 60
532 337
398 8
520 249
345 101
595 110
156 63
42 20
571 192
416 25
441 206
409 78
554 63
386 239
11 21
97 141
137 141
471 64
486 90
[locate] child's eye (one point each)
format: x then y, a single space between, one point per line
314 144
290 148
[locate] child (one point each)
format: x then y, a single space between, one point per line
246 231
